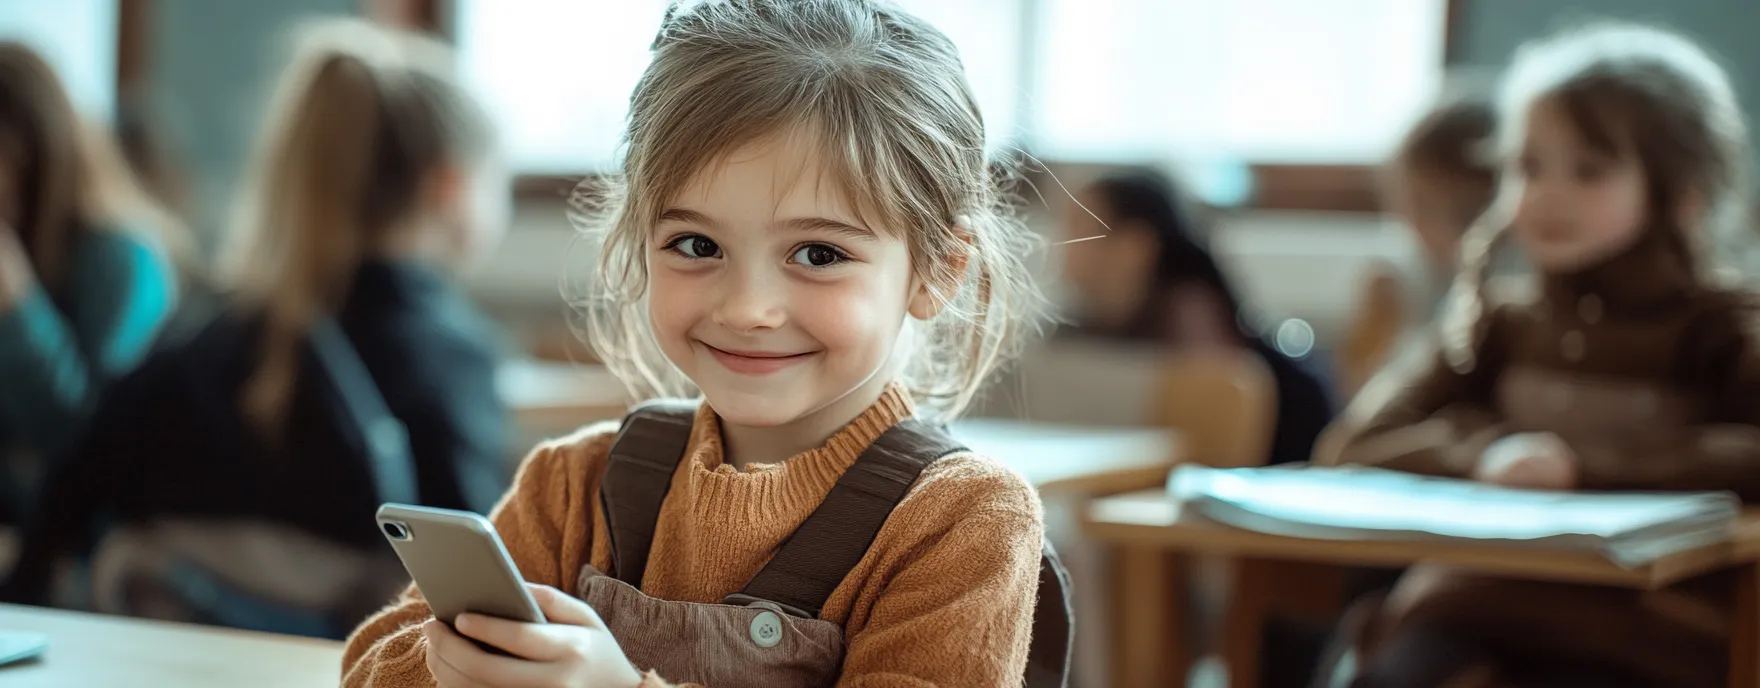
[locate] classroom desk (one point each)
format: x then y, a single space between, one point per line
550 398
92 651
1069 465
1072 459
1149 537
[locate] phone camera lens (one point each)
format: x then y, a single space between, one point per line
395 531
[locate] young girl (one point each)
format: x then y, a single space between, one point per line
1440 180
807 232
375 182
1634 368
85 276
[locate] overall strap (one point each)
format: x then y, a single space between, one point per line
638 474
365 419
817 557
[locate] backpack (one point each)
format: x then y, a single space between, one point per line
258 574
815 559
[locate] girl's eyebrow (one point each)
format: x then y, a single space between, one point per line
808 224
688 216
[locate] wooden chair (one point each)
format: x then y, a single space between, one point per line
1225 407
1374 331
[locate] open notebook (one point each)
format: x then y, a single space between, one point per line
1352 502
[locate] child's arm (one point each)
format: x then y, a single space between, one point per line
1433 420
533 520
959 609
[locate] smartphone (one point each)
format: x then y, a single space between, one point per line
458 562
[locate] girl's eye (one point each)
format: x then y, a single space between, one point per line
818 256
694 246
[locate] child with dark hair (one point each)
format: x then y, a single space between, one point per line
1150 279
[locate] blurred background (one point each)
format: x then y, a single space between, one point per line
1266 145
1275 112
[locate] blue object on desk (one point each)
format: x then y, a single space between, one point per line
19 646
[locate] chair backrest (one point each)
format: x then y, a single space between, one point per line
1375 330
252 572
1223 403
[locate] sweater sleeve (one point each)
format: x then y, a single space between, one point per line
55 363
1721 454
539 521
959 610
1431 419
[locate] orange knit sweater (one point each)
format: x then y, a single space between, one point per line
944 596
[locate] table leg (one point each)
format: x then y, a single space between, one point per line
1243 623
1148 616
1744 642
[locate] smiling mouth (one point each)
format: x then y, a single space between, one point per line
756 362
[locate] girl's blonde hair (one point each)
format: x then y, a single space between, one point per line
1630 91
886 96
73 179
360 119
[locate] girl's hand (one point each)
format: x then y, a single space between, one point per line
1535 460
17 278
574 649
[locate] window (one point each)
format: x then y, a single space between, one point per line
1299 81
78 39
557 74
1292 81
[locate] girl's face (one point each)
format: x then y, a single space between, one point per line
468 214
1576 205
771 294
1109 275
1430 206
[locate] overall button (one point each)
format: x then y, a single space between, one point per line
766 629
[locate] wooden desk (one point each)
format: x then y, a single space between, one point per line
1069 464
1071 459
91 651
1149 535
554 397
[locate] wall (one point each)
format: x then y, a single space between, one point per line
211 66
1491 29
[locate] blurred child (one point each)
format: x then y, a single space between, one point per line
805 230
1150 279
85 274
375 183
1441 178
1634 368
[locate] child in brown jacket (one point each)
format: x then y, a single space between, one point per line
1632 367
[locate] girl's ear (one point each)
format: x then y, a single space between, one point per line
927 298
